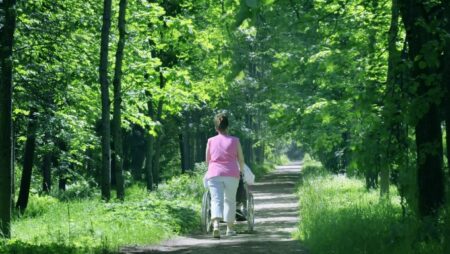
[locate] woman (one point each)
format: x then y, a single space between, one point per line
223 153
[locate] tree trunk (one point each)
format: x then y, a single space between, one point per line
46 172
117 126
138 150
127 153
446 81
182 153
446 86
62 183
186 145
6 160
157 146
200 150
428 129
392 63
149 152
28 160
157 154
259 153
103 76
430 176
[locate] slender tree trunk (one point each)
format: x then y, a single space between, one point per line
157 146
6 160
428 127
126 153
392 63
199 151
150 148
60 171
157 154
46 172
106 128
28 160
138 150
62 183
113 162
250 155
186 145
182 154
117 126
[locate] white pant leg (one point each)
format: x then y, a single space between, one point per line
216 189
231 185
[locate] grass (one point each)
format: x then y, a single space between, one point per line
77 221
92 226
338 215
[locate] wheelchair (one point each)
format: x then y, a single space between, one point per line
244 208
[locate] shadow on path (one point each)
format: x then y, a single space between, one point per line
276 218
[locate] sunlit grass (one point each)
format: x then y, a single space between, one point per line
93 226
338 215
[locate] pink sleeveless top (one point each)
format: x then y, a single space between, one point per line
222 156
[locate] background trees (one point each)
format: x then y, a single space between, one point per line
362 86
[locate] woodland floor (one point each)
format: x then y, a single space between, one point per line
276 217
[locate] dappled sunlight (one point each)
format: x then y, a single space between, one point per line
276 219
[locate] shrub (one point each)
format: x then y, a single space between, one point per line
38 205
88 225
339 216
81 189
186 186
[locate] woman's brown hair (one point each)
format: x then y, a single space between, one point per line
221 122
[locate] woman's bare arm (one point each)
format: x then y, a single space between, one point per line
207 155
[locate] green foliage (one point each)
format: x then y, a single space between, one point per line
338 215
92 226
185 187
79 189
19 247
312 168
39 205
262 169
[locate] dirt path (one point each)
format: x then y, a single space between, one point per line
276 217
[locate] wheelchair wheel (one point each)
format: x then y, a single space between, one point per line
250 212
206 213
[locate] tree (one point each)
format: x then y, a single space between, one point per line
391 81
424 56
117 120
28 159
6 64
103 76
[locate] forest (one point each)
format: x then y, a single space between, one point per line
107 106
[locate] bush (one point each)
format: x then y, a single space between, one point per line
185 187
81 189
88 225
38 205
339 216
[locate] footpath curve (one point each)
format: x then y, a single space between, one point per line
276 217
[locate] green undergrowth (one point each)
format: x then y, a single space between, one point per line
339 216
268 166
260 170
50 225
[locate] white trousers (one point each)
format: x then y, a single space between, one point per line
223 197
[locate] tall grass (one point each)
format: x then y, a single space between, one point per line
92 226
338 215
